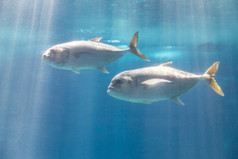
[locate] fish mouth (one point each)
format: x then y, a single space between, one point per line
109 89
44 57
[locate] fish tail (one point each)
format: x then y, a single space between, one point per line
134 50
209 76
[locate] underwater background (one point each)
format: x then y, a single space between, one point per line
47 113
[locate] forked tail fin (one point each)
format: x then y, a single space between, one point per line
134 50
209 74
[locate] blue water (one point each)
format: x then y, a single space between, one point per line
47 113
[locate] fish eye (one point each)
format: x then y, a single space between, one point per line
52 52
118 81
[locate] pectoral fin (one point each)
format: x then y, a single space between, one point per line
103 69
76 71
177 100
96 39
155 81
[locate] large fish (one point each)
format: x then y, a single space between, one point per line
151 84
92 54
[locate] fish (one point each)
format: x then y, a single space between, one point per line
162 82
92 54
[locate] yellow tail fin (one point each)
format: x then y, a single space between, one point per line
133 47
211 81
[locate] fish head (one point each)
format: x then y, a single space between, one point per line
56 56
121 86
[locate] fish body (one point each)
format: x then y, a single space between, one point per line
151 84
92 54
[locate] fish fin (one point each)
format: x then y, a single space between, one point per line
209 76
155 81
98 39
76 71
177 100
166 64
133 47
103 69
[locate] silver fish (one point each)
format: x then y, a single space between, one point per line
92 54
151 84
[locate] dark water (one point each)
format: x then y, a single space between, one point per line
47 113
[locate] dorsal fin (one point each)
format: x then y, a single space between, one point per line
166 64
96 39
